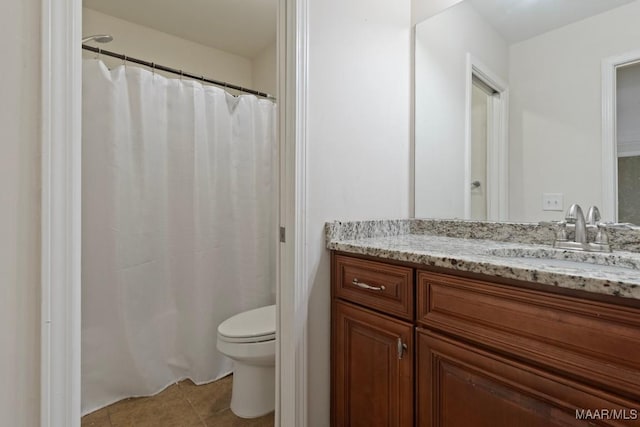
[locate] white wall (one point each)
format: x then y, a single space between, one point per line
152 45
358 142
423 9
263 70
20 213
555 110
441 46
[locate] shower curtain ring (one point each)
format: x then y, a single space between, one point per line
99 52
153 68
124 60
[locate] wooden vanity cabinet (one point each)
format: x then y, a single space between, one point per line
485 354
372 335
461 385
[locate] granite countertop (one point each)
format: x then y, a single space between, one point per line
519 254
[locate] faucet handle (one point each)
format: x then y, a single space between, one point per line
561 232
593 216
602 238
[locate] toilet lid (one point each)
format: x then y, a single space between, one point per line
250 326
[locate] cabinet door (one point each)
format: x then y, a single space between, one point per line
461 385
372 382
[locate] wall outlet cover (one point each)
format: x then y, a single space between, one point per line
552 202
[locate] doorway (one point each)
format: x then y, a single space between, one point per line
628 142
486 144
181 150
481 131
620 137
61 203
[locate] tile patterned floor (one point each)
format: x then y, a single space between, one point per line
181 405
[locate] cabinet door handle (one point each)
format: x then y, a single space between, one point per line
365 286
401 348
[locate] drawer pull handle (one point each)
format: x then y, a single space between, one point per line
365 286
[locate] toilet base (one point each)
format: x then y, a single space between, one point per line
253 390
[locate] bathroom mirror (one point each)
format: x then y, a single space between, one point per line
523 107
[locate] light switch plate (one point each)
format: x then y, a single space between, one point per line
552 202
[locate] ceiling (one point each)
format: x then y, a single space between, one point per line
518 20
242 27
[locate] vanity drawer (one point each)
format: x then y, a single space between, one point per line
594 341
376 285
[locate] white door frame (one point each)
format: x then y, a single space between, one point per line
61 220
61 213
291 312
497 185
609 132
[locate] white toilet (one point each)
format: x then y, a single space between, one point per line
249 338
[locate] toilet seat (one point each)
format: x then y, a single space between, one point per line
251 326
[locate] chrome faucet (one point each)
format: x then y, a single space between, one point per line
593 216
575 219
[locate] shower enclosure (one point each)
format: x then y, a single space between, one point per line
179 228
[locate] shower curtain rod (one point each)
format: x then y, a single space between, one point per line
181 73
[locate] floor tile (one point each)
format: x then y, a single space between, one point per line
99 418
180 405
133 412
208 399
226 418
167 408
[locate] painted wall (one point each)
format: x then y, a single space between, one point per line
555 110
358 143
441 46
20 213
264 70
149 44
423 9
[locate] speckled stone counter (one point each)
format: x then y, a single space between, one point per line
510 250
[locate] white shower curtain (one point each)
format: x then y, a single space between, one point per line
178 227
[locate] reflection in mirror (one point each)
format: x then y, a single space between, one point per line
480 95
549 142
628 137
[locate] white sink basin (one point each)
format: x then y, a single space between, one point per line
549 257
